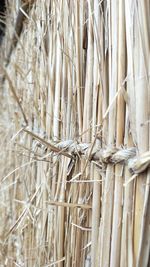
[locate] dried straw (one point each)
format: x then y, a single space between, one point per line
74 128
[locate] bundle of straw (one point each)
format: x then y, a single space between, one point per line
74 122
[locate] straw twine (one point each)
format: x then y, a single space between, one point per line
111 155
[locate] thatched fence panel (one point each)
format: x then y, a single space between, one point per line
74 122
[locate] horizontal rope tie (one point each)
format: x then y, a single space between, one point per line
136 163
69 148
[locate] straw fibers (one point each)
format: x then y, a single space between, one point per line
74 134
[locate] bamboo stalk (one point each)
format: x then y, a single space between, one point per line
78 67
95 121
107 209
141 117
143 246
117 211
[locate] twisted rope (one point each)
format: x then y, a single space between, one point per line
136 163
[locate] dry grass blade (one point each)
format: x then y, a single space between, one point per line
48 144
12 89
69 205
